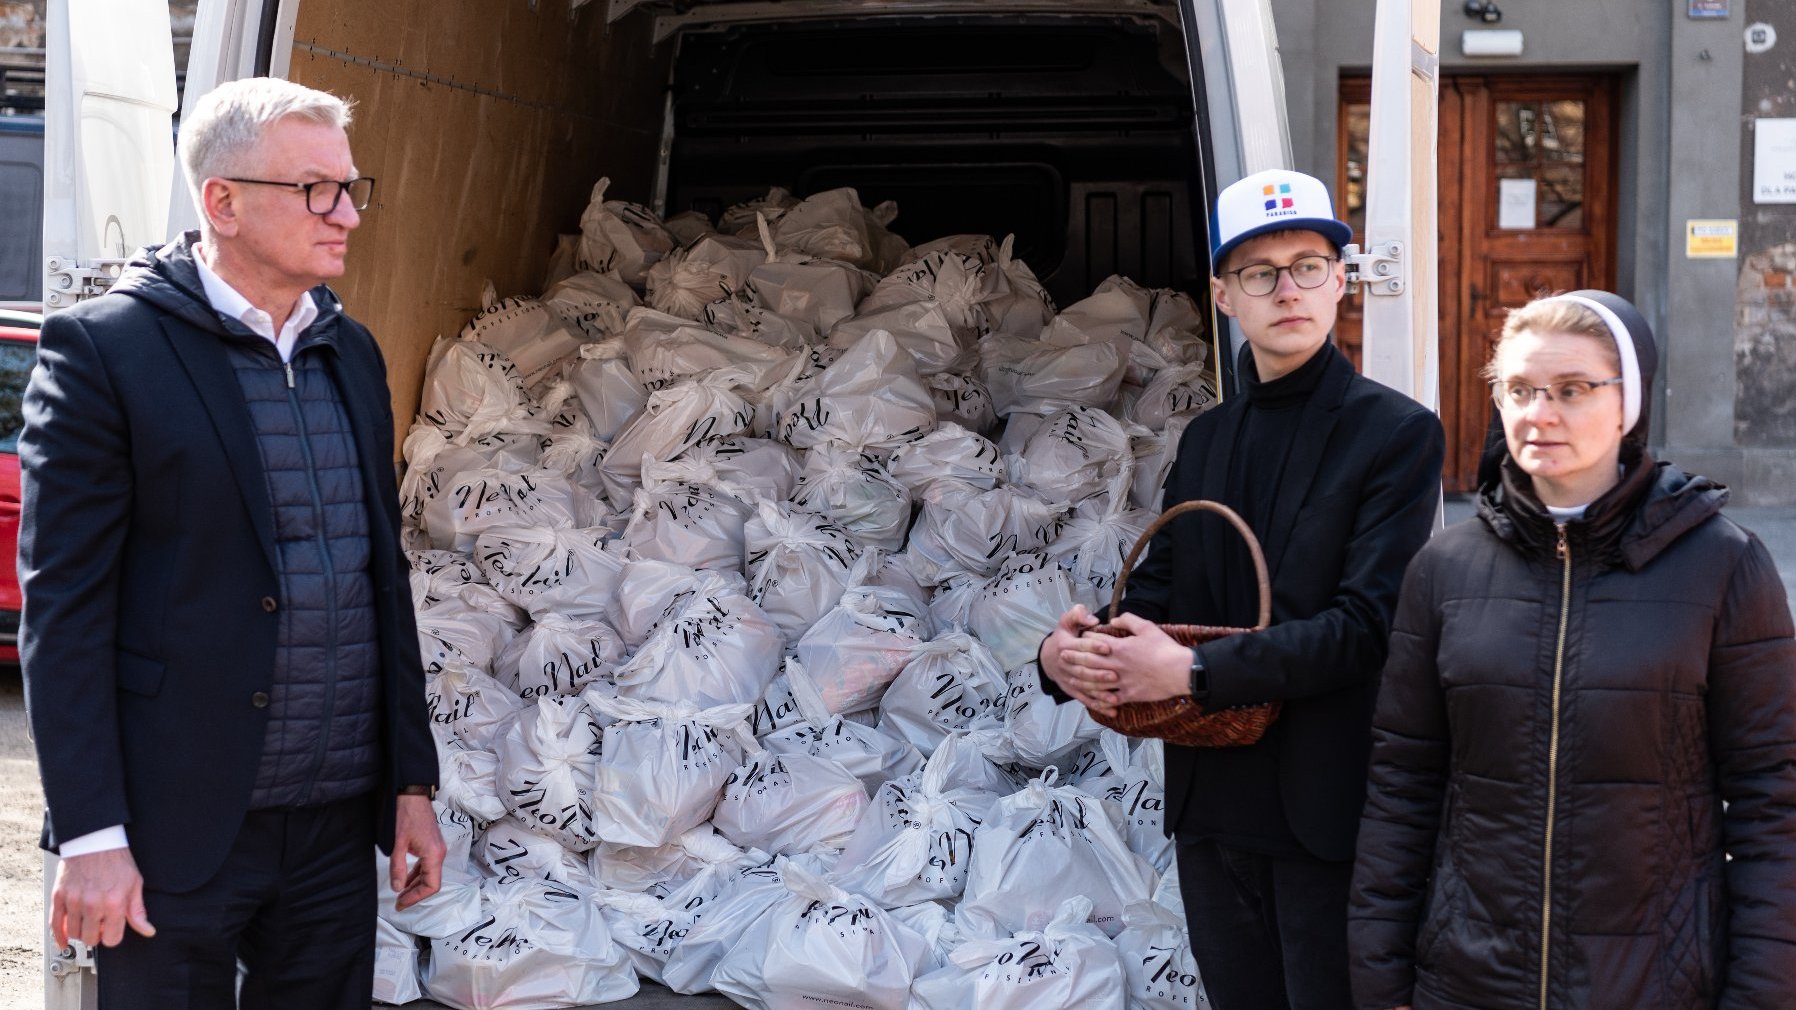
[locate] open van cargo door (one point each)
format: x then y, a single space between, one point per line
1398 268
109 149
673 16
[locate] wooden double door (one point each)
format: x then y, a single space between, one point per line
1527 207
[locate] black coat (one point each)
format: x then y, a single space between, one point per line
147 558
1357 500
1531 792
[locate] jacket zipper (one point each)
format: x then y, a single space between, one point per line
330 587
1563 552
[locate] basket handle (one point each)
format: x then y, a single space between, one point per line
1235 520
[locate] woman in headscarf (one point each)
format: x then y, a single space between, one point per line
1583 780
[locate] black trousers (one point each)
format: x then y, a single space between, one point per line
295 901
1268 932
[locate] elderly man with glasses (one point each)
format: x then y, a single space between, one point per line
1338 477
220 661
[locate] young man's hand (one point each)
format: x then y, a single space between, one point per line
1145 665
1095 689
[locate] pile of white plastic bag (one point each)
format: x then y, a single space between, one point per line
731 554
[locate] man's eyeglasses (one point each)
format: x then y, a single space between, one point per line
1569 394
322 196
1306 272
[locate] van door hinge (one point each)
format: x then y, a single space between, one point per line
1378 268
67 281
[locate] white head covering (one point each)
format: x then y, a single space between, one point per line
1624 345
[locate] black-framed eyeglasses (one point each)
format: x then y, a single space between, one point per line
322 196
1569 394
1306 272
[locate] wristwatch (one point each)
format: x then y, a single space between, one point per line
428 792
1200 678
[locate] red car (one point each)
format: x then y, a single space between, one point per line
18 352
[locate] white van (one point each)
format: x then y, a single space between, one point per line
1097 131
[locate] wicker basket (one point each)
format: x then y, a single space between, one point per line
1181 720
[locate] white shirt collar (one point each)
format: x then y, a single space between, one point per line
228 301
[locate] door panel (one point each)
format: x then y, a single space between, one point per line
1552 139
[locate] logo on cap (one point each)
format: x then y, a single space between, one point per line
1279 196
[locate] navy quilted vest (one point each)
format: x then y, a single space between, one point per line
322 738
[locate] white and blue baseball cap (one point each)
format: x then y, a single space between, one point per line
1274 200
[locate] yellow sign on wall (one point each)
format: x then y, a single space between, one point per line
1711 238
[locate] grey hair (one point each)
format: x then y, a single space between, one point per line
227 123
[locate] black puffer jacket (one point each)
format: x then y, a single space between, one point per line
1564 714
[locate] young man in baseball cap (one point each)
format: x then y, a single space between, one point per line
1338 477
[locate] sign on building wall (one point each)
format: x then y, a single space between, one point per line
1711 238
1710 8
1774 161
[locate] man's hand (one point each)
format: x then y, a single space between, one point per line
96 896
1146 665
1095 689
415 834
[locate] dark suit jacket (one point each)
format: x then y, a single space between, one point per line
1357 500
147 557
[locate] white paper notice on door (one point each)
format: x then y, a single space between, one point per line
1515 203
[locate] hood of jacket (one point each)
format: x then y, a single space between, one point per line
165 276
1632 523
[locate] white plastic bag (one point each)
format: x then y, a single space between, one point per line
469 705
955 283
548 570
1044 732
467 623
475 501
713 267
914 841
535 945
821 946
963 529
739 219
529 332
947 684
1177 391
467 382
950 452
962 399
661 768
664 349
714 647
621 236
1074 455
681 515
870 754
751 468
870 397
1156 956
674 420
821 292
1018 304
719 925
1066 367
922 329
856 649
854 490
547 761
799 563
790 802
777 708
1041 846
608 390
1096 540
981 758
470 784
742 316
1068 965
594 302
1019 606
395 965
457 900
509 848
1136 789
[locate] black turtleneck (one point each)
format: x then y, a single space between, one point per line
1243 808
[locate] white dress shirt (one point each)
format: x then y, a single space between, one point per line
227 301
